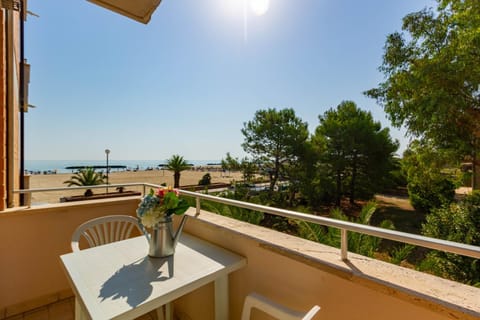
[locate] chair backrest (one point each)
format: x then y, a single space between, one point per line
257 301
105 230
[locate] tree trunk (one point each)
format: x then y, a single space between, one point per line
176 180
274 175
272 181
475 172
352 181
339 188
291 197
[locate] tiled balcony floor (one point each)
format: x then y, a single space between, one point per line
61 310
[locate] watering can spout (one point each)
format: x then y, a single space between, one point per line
179 231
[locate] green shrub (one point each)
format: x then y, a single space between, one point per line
206 180
359 243
399 254
431 175
426 194
250 216
459 222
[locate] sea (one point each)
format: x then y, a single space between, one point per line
60 166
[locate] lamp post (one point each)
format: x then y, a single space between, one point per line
107 152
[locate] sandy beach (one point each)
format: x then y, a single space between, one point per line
188 177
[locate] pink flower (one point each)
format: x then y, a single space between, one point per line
161 192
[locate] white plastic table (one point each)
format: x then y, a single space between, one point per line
120 281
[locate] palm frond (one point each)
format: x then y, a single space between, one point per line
85 177
367 212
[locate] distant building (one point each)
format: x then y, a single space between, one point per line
14 90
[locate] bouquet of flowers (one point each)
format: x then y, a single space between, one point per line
160 204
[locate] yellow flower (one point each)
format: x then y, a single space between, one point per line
149 221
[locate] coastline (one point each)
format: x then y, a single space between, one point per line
60 166
187 177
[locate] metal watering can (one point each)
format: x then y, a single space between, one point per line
163 240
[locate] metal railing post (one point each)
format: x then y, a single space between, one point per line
197 202
344 244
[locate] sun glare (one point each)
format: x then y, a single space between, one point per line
259 7
248 7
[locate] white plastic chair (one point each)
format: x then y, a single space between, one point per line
257 301
105 230
109 229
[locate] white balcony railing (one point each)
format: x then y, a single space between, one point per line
343 226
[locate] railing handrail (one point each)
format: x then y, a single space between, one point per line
98 186
432 243
427 242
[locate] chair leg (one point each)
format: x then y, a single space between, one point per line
278 311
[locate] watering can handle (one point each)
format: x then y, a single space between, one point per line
144 231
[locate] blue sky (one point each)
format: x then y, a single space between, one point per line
188 81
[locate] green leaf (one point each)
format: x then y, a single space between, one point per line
170 200
181 207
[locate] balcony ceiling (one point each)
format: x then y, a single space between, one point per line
139 10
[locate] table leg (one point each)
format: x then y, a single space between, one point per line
221 298
168 315
79 312
169 311
160 315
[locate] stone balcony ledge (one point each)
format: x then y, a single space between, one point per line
448 298
289 270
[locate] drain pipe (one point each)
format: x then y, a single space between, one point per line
10 112
22 100
8 193
11 95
